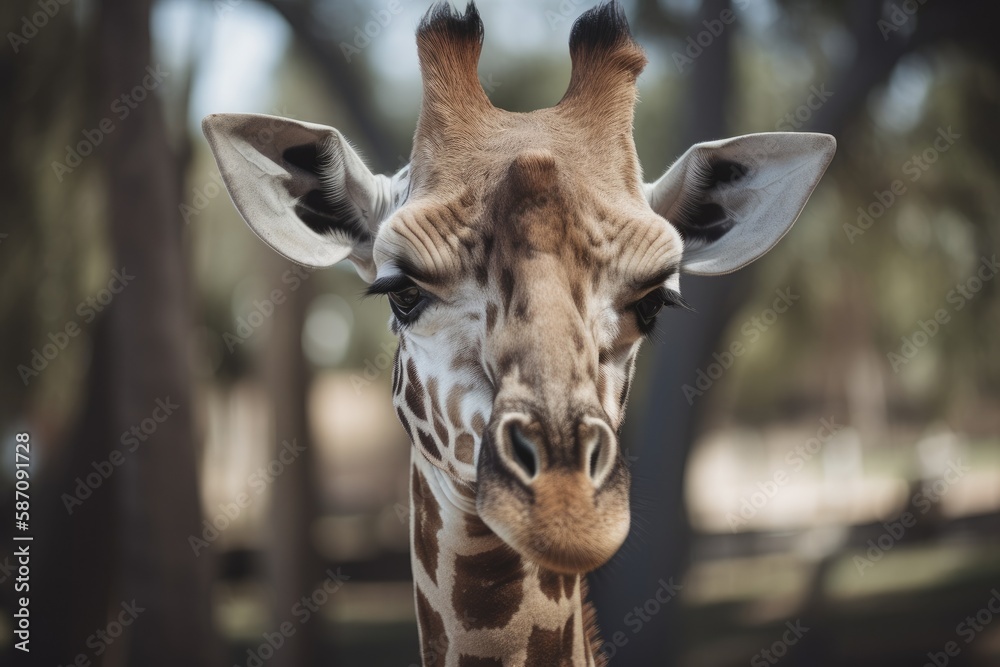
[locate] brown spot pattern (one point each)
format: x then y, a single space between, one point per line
506 288
414 393
491 317
478 424
521 310
551 647
397 378
466 491
433 639
550 583
569 585
428 443
475 527
543 646
428 523
576 291
482 268
437 418
405 422
465 448
442 431
489 588
432 391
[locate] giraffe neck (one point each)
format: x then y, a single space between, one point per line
479 604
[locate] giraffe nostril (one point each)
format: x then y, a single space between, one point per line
598 437
523 450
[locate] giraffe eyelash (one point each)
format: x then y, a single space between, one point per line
406 299
673 299
383 286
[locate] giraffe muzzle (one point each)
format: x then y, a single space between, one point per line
561 500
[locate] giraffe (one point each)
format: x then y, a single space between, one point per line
524 260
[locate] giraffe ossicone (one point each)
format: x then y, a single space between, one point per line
524 260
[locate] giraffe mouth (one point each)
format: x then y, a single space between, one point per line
560 522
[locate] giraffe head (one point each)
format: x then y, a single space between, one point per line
524 260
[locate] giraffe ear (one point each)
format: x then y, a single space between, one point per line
301 187
733 200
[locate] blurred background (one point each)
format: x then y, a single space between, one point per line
213 448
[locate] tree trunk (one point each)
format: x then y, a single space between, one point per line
157 483
293 568
73 594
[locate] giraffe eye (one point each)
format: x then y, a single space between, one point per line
403 302
648 306
406 299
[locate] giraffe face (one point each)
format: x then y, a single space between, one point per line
521 298
524 260
521 291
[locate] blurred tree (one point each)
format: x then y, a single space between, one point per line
293 567
43 89
158 495
128 537
76 593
